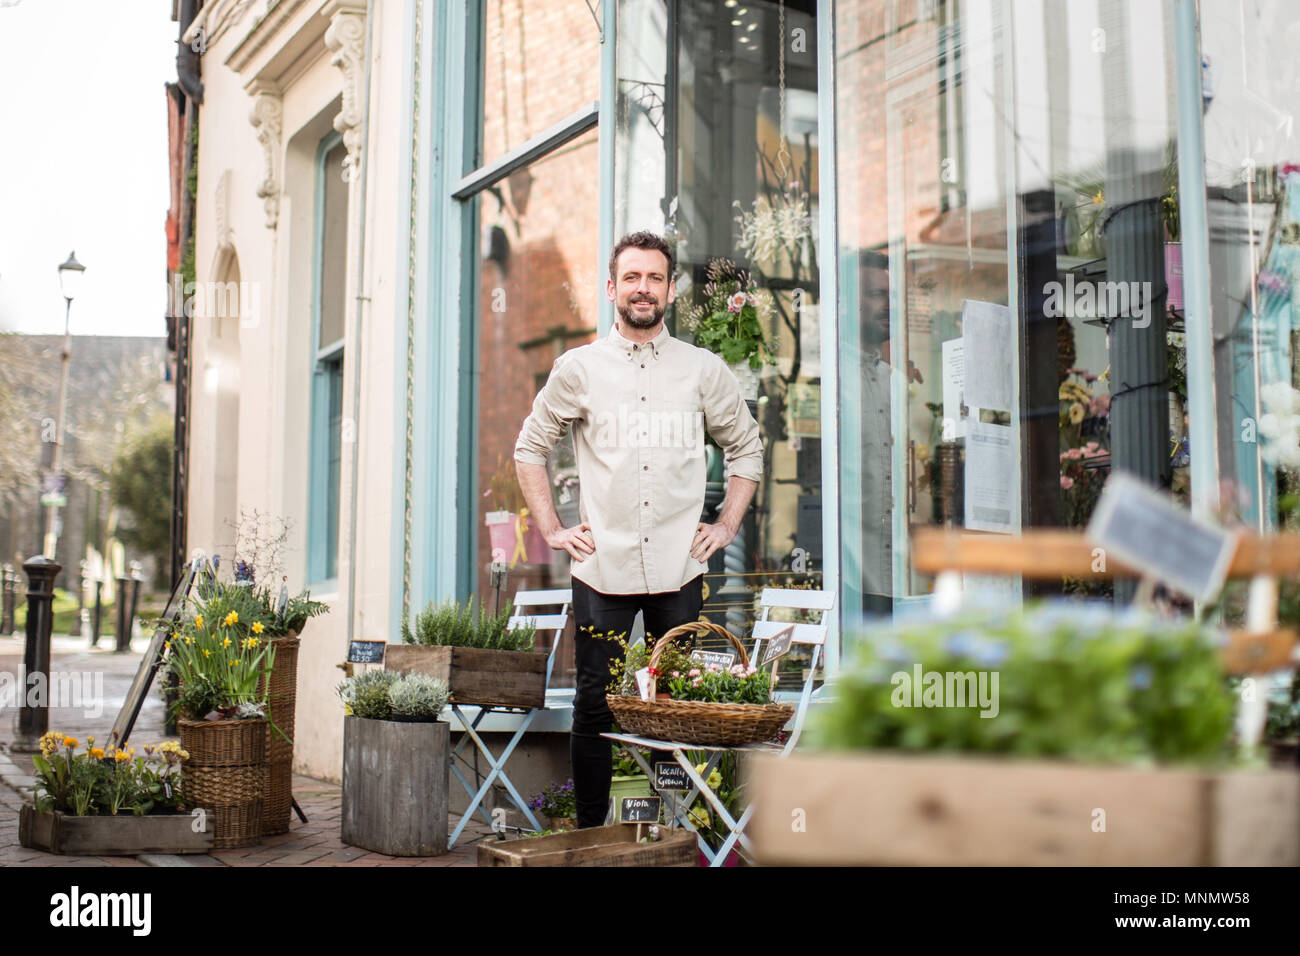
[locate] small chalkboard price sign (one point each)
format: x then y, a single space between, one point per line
639 810
778 645
723 659
671 776
366 652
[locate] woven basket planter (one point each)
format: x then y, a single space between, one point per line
282 696
225 776
699 722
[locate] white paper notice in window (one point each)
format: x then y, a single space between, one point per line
988 343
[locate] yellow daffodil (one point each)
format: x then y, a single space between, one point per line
258 627
231 618
226 642
254 642
206 652
189 641
198 621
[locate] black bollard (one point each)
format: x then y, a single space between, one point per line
34 717
10 596
119 618
98 615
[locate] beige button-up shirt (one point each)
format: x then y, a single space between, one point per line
638 413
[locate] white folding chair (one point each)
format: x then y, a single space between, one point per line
805 633
555 622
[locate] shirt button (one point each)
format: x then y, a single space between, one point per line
647 540
635 347
643 364
643 398
645 467
646 503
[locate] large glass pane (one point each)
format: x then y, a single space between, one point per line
538 291
717 147
333 247
541 62
1253 198
1004 177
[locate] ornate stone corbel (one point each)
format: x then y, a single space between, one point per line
267 116
346 40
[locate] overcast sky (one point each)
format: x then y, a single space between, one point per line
83 122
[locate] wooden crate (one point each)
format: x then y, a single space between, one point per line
395 786
889 809
595 846
476 675
122 835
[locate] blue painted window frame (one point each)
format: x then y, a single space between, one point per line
324 460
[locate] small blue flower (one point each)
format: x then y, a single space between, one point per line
961 644
990 653
889 649
1140 678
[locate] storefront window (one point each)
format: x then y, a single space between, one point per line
537 298
541 63
717 148
1006 200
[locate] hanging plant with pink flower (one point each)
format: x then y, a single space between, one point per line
730 320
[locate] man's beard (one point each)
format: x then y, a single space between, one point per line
640 321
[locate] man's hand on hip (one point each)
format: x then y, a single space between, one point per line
577 541
710 538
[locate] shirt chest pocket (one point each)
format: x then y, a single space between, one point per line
676 427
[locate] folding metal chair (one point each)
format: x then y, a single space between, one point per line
563 597
765 629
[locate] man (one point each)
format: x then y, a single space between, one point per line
636 400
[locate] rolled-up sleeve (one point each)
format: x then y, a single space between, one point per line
556 406
729 422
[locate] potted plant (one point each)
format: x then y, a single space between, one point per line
222 659
729 322
558 805
513 535
109 801
475 653
395 759
1059 734
628 780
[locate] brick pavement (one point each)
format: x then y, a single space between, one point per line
314 843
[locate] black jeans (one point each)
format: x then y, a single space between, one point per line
590 753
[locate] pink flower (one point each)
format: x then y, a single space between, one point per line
1100 405
694 672
736 302
1067 482
1091 446
1074 454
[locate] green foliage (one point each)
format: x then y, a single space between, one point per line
625 764
140 481
1074 681
418 697
557 800
366 695
675 657
452 624
729 321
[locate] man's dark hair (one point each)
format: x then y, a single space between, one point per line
641 240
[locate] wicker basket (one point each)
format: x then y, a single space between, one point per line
282 695
699 722
225 776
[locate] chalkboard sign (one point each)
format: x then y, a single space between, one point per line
639 810
1137 526
778 644
671 776
724 659
366 652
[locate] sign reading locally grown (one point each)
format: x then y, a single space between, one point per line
778 644
1138 526
639 810
671 776
366 652
723 659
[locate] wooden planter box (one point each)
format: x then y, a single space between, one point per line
875 809
595 846
476 675
395 786
122 835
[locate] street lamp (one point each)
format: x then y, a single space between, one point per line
70 273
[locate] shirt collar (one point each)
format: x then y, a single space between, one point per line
656 344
